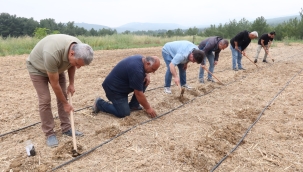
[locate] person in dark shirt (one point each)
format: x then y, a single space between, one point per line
129 75
212 44
264 42
238 45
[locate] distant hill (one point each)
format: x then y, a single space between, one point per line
136 26
90 26
276 21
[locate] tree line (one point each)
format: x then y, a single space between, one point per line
13 26
291 29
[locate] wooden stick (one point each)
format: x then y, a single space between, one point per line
251 61
248 58
212 75
72 122
273 60
181 90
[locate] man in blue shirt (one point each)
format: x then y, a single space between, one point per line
179 53
212 44
129 75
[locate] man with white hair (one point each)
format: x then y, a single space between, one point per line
46 64
238 45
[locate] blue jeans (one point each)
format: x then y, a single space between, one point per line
119 106
211 59
236 58
168 75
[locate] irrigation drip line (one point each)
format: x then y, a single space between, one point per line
142 123
127 130
147 121
1 135
249 128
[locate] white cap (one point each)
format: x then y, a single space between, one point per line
254 33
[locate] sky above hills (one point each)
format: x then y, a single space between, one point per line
115 13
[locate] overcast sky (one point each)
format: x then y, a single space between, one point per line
114 13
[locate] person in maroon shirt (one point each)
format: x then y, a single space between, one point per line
264 42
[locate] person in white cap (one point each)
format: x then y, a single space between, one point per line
238 45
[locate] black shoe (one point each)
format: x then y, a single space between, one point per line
255 61
235 69
242 68
136 108
264 61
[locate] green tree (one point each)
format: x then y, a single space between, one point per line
192 31
260 26
243 24
126 32
40 32
70 28
93 32
170 33
49 24
231 28
300 25
29 26
179 32
7 24
82 31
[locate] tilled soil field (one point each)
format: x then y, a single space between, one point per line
253 122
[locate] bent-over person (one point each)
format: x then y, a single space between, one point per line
129 75
46 64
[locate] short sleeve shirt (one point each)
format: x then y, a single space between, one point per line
179 51
266 39
50 55
242 39
128 75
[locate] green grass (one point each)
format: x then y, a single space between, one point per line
15 46
287 40
24 45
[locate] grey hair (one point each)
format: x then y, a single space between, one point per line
150 60
84 52
224 42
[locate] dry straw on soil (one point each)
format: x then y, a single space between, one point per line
208 123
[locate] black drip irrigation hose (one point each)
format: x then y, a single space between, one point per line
251 126
83 154
147 121
127 130
1 135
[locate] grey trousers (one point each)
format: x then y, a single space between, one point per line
258 52
41 85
